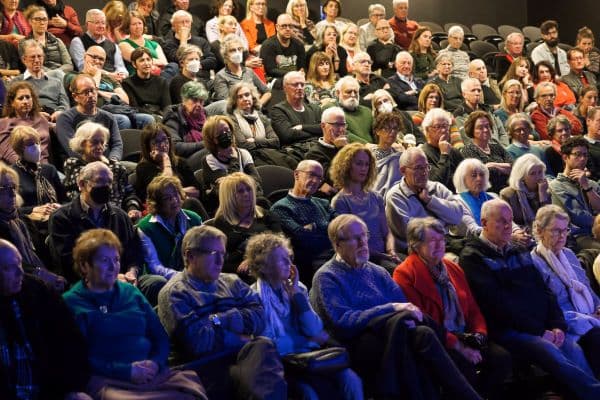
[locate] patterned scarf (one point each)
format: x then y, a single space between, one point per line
454 319
275 308
44 189
251 125
19 237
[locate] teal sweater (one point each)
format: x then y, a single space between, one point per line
120 327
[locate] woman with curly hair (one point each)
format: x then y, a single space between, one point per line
423 54
353 173
320 80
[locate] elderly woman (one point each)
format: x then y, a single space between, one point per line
22 108
291 322
439 288
564 276
448 83
520 70
158 158
353 173
256 25
559 130
14 229
492 154
63 21
320 80
56 55
520 129
222 8
512 101
387 151
240 218
13 25
134 25
544 71
588 98
527 189
186 120
89 142
189 57
126 358
349 41
328 42
382 102
251 128
235 71
40 187
161 232
305 30
423 54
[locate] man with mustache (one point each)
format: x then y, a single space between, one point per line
549 50
359 118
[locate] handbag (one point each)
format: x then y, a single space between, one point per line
322 361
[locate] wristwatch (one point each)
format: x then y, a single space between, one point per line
215 320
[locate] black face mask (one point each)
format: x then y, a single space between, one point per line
224 140
100 194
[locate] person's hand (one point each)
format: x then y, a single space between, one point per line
143 371
472 355
340 141
444 146
131 276
42 213
297 127
424 196
331 50
45 115
192 191
58 22
580 176
254 62
413 310
310 227
291 284
78 396
56 282
559 337
184 33
243 268
55 115
521 237
327 189
134 215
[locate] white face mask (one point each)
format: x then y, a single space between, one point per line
32 153
385 107
193 66
236 57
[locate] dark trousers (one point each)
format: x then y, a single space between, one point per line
590 343
408 363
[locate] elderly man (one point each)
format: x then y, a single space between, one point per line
50 89
549 50
206 312
383 50
491 94
333 123
471 91
92 209
44 354
403 27
388 337
282 52
367 32
442 157
182 35
95 22
577 78
544 94
404 86
593 138
448 84
367 80
296 121
359 118
304 218
460 58
165 20
513 48
522 314
84 91
417 196
577 194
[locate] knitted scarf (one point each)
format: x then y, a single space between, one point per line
195 122
44 189
251 125
454 319
276 307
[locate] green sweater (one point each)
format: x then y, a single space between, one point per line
360 122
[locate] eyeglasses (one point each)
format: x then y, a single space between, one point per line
420 168
96 58
338 125
97 22
559 232
36 57
296 84
8 190
39 19
361 237
88 92
285 26
440 127
312 175
383 28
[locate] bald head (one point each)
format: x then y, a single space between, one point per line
11 271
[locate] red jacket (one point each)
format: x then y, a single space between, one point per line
540 121
403 31
73 28
249 27
418 286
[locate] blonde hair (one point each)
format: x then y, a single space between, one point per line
227 204
341 165
19 135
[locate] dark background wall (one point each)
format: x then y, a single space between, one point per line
570 15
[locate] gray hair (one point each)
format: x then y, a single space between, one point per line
289 9
90 170
543 85
456 30
403 53
227 43
91 12
545 215
233 92
339 223
180 13
348 79
515 119
559 119
491 206
466 82
409 154
307 164
196 236
434 114
321 34
398 2
85 132
442 57
507 85
520 168
416 229
291 75
374 7
465 167
260 247
194 90
186 50
511 36
331 111
27 43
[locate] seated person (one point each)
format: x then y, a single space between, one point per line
190 59
92 209
449 84
383 49
520 128
490 92
124 357
239 218
383 102
206 312
320 80
423 53
527 190
85 92
291 322
544 71
404 86
164 22
37 323
368 81
460 58
62 20
545 93
389 339
134 24
576 194
283 52
530 323
439 288
327 41
387 128
304 218
148 93
222 8
578 77
14 24
417 196
359 119
559 130
186 120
